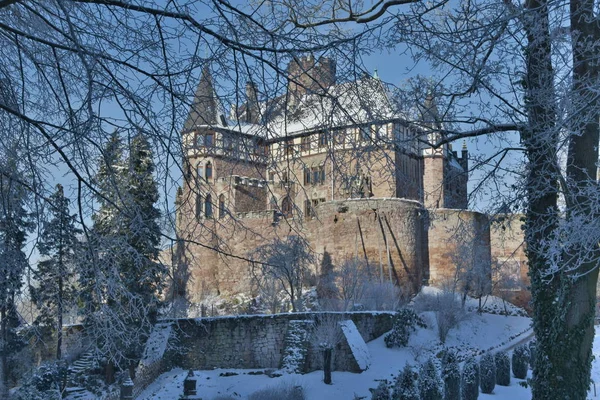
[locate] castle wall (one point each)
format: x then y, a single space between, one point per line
509 261
384 232
456 236
258 341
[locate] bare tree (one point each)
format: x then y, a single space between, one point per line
326 335
287 262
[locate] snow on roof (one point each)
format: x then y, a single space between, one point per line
352 103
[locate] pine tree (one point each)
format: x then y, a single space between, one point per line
124 273
144 274
58 245
15 222
406 385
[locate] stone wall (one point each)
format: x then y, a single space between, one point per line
257 341
509 261
456 236
389 234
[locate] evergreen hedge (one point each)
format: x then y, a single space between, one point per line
502 368
470 380
520 358
487 373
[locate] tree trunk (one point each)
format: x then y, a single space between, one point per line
59 323
327 366
564 294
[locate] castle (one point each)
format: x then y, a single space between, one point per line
334 162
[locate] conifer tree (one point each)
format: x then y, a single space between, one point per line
15 222
124 273
143 272
58 245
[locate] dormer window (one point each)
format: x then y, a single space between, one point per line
205 140
322 139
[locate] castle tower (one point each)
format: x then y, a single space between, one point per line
434 171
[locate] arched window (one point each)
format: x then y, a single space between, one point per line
209 171
286 206
208 206
200 172
222 206
199 206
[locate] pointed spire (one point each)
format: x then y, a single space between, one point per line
375 74
204 109
464 146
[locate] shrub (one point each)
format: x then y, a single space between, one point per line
502 368
448 314
405 387
429 382
283 391
520 357
532 352
487 371
451 376
470 380
405 322
381 392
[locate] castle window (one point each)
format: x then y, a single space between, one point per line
288 147
286 206
208 206
222 206
209 171
199 206
209 140
365 133
316 175
200 172
322 139
306 175
227 141
305 144
339 137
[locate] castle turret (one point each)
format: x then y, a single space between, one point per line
205 107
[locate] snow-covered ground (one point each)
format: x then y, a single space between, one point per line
476 334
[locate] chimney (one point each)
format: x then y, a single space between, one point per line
251 103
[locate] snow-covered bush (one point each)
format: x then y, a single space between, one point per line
451 376
405 322
47 383
502 368
381 392
520 358
429 382
487 371
405 387
287 391
470 380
